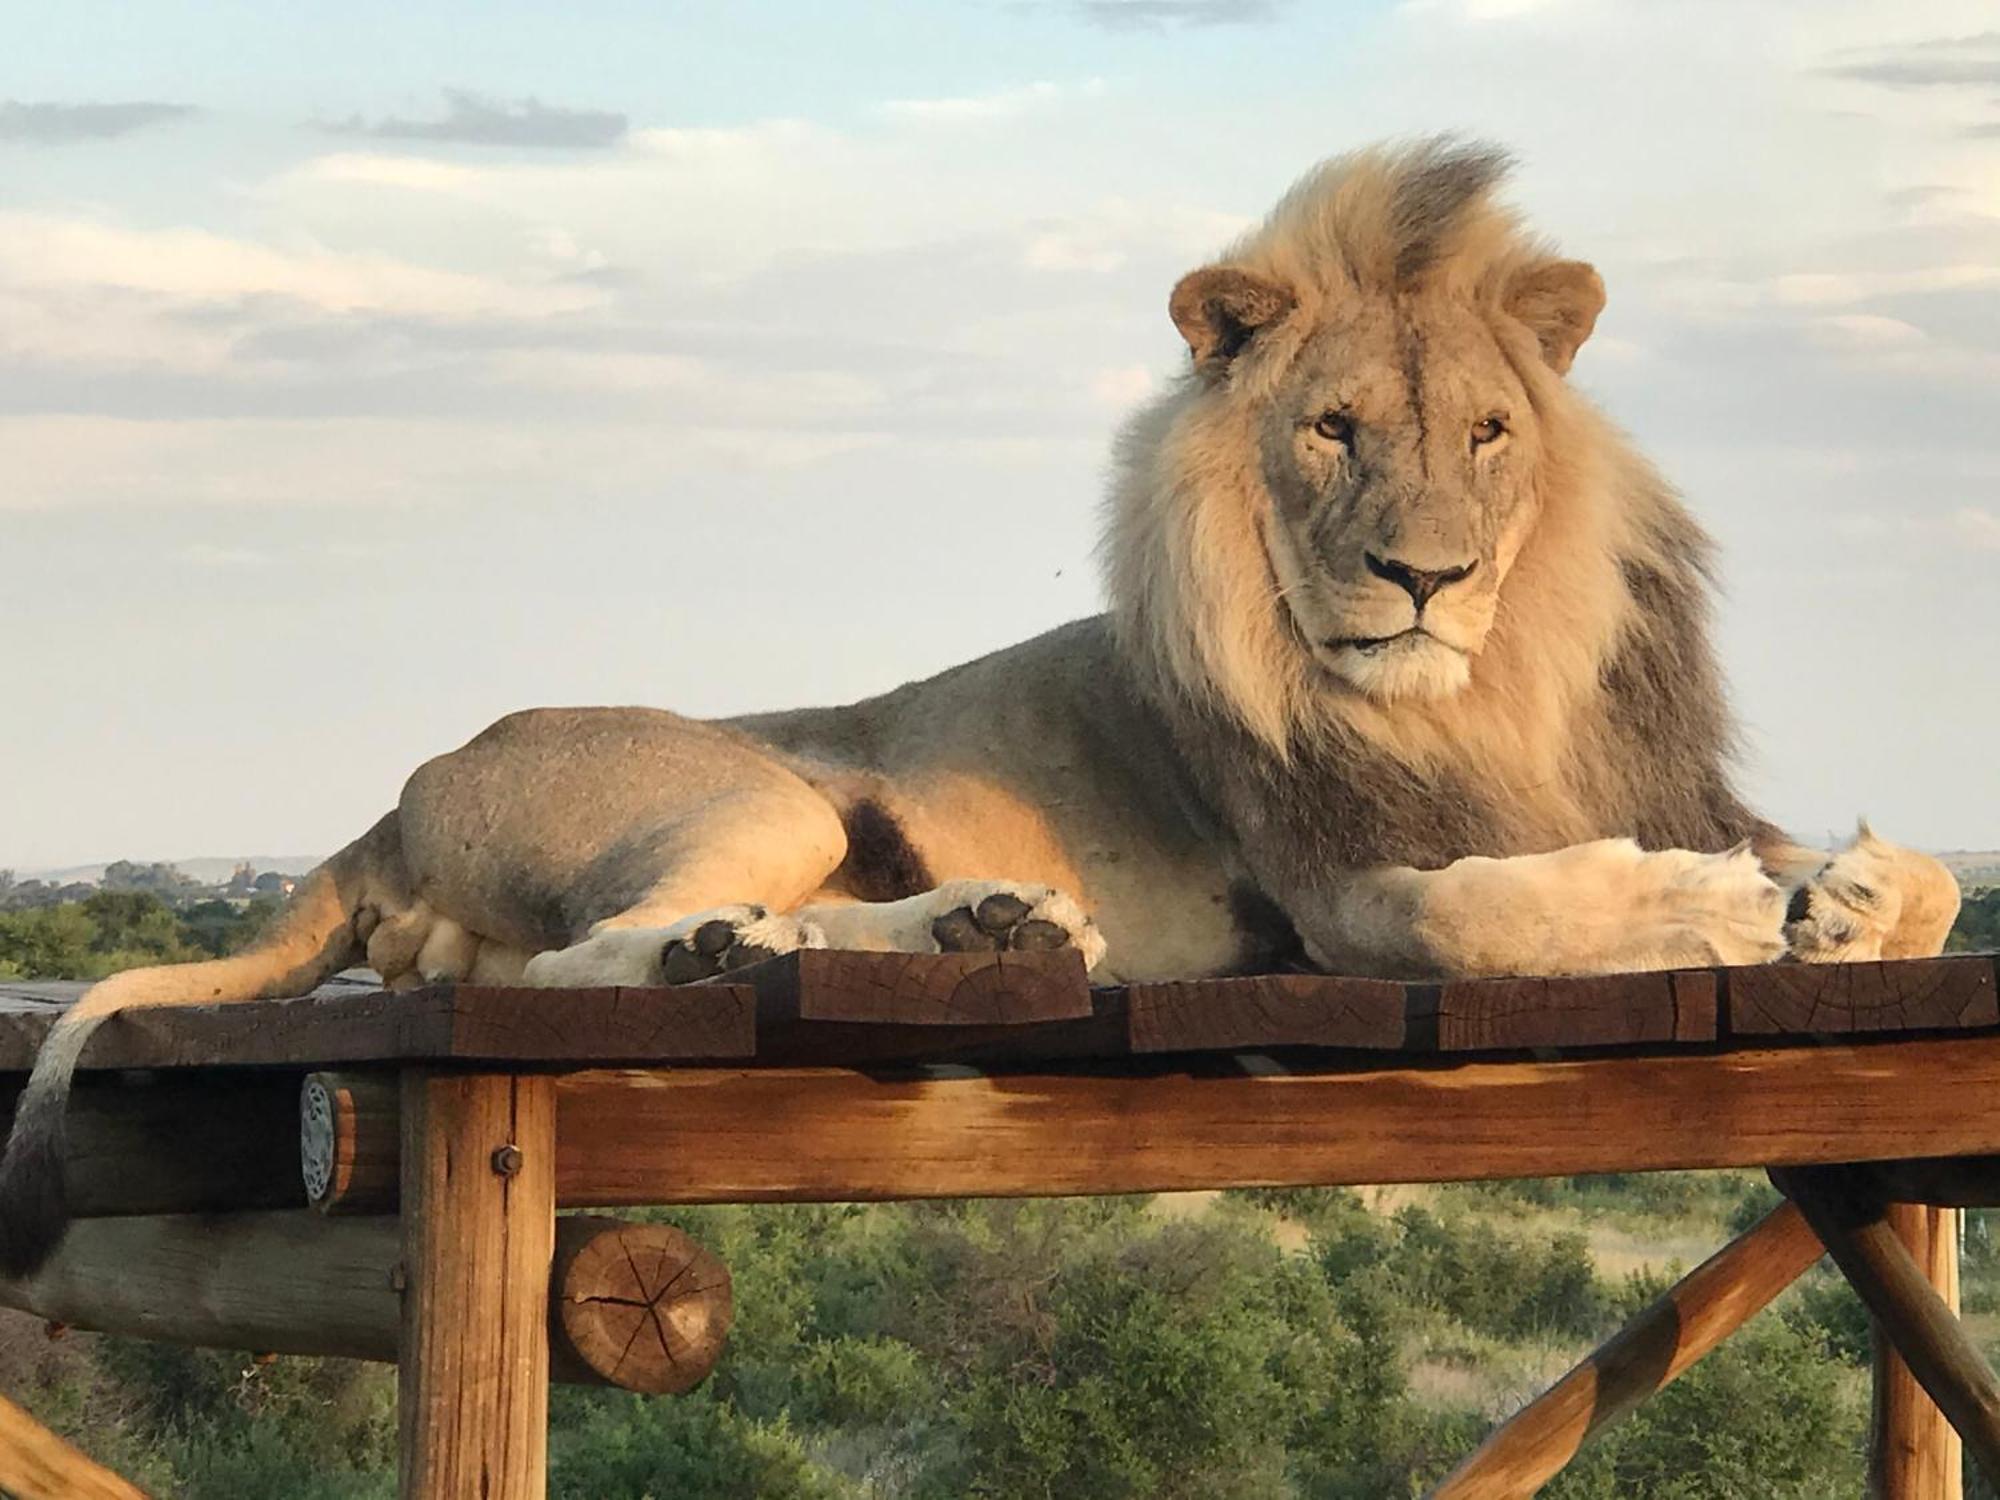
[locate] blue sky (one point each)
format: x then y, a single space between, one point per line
365 373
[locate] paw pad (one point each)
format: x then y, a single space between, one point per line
1000 921
715 947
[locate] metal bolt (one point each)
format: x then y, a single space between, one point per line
507 1160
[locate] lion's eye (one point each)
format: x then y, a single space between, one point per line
1487 430
1335 427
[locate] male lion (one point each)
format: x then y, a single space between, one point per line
1405 672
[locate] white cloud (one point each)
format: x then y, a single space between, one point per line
1823 288
48 251
1002 105
1864 332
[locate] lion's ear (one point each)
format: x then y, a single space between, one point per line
1219 309
1559 300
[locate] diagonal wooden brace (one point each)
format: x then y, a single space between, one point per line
1852 1220
1701 1310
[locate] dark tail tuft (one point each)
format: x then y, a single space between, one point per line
34 1209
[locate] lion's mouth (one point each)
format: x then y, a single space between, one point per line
1366 643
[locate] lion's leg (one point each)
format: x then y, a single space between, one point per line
728 879
1873 899
960 916
1596 908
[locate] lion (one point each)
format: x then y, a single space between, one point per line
1405 671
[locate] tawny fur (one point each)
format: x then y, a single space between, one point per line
1406 671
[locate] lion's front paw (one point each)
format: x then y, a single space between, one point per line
1712 908
1873 899
978 916
964 916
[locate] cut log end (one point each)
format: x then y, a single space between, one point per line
643 1306
348 1130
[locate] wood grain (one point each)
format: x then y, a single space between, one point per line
1271 1010
1701 1310
478 1241
728 1134
643 1305
1615 1010
1943 994
918 989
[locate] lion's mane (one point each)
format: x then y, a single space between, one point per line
1594 707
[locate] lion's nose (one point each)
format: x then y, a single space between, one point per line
1418 583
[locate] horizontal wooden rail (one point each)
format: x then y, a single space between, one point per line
627 1136
641 1306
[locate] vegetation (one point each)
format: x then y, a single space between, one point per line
111 930
1321 1344
1978 928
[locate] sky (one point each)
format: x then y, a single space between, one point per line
367 372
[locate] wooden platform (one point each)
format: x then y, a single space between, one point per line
1021 1010
450 1123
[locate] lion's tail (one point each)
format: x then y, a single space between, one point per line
315 936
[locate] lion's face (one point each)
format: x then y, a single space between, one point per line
1397 448
1398 453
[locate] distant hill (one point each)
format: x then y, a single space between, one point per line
208 870
1974 866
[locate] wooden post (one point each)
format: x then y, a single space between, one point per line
1857 1234
1705 1307
478 1196
1913 1453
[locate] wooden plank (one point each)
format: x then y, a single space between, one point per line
728 1134
918 989
1857 1233
1913 1452
1697 1005
1940 994
1611 1010
1701 1310
35 1464
1267 1010
478 1241
464 1024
